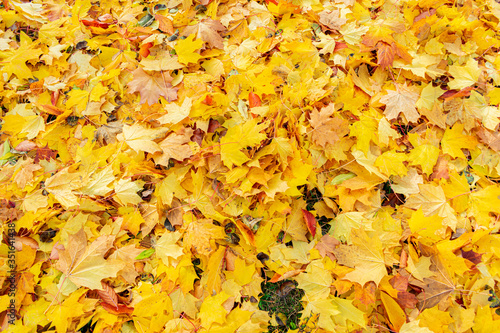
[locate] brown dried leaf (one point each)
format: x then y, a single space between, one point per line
436 289
326 245
491 139
175 146
327 129
108 295
331 19
207 30
106 134
151 87
407 300
385 54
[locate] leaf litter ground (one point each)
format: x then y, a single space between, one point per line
250 166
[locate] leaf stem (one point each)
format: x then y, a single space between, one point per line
57 295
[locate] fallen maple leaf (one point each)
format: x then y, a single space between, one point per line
385 55
84 265
140 138
176 113
327 129
331 19
436 289
175 146
151 87
207 30
399 101
365 255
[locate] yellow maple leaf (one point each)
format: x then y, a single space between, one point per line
464 76
15 63
176 113
454 141
425 226
315 281
84 265
186 48
239 137
424 155
212 311
126 192
326 309
365 255
97 184
78 98
140 138
391 163
432 200
167 246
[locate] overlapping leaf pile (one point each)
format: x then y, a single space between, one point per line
157 157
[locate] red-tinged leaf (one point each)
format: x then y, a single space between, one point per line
254 100
144 50
45 153
230 258
53 110
120 309
407 300
451 94
54 97
366 294
28 241
370 40
37 87
440 170
213 125
403 260
339 46
208 100
399 282
54 254
197 136
472 256
108 295
273 1
402 53
310 221
95 23
423 15
385 55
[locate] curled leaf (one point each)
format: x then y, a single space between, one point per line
145 254
310 221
